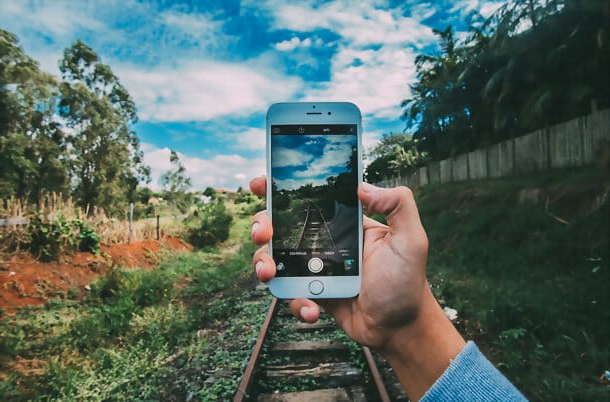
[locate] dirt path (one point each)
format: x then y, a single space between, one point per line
24 281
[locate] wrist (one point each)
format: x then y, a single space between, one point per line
421 351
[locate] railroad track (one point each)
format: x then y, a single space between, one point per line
315 233
294 361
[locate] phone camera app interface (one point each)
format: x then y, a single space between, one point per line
314 203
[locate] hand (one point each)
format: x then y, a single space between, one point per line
395 311
393 271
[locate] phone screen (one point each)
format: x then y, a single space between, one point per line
314 203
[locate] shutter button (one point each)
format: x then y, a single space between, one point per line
315 265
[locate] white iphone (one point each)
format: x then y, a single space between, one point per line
314 167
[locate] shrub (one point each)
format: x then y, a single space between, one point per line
144 288
49 238
253 207
208 225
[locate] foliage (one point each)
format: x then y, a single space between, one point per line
394 155
90 152
163 334
32 144
106 159
208 225
529 65
49 238
209 192
176 183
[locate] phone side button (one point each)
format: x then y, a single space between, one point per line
316 287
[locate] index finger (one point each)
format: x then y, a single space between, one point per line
259 186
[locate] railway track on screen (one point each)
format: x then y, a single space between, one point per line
293 361
315 233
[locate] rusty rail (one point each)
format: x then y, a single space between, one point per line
243 390
379 385
246 381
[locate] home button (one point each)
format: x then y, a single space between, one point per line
316 287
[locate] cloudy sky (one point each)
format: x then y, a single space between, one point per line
203 73
298 160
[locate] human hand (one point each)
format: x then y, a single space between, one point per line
393 268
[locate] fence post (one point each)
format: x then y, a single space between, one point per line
157 227
130 220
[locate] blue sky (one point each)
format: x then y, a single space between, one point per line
203 73
298 160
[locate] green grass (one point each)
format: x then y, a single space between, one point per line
182 331
529 279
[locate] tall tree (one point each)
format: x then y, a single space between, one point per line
32 144
176 183
106 160
531 64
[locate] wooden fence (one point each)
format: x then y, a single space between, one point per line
572 143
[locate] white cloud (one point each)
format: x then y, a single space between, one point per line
334 154
293 43
283 157
249 138
220 171
421 11
359 22
197 25
141 30
377 83
373 77
205 89
483 7
487 8
57 20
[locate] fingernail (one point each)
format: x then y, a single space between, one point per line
259 265
255 227
368 188
303 311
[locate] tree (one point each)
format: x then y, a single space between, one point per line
106 161
32 144
531 64
176 183
394 155
209 192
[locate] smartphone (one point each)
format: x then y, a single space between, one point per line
314 167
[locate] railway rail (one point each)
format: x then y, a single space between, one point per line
310 362
315 233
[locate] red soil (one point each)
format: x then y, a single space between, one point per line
24 281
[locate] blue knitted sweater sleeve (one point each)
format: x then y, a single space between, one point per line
471 377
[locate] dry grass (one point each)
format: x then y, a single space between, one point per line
54 205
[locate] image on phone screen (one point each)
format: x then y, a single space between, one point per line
314 171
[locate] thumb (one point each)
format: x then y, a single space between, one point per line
397 204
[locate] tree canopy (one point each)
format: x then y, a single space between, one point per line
531 64
71 134
33 156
